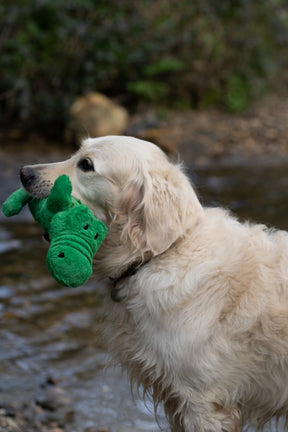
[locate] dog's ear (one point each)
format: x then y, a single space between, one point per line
164 208
131 212
158 211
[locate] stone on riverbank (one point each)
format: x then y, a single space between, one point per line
96 115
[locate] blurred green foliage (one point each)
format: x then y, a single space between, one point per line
195 53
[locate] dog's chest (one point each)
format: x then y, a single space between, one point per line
160 342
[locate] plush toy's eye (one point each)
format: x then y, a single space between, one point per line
86 227
96 236
61 255
86 165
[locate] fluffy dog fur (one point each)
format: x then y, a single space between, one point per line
203 323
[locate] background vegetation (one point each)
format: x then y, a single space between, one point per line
179 53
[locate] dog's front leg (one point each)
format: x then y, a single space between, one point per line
205 417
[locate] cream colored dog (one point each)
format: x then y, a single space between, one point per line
199 307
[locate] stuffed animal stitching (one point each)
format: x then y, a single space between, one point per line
74 232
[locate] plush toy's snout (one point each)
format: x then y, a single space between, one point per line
75 236
68 265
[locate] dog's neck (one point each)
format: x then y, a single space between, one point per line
119 282
131 270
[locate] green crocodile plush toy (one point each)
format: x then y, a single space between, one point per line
74 232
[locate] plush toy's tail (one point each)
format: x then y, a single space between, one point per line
15 202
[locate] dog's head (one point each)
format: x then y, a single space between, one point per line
129 184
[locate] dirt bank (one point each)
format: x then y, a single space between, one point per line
204 137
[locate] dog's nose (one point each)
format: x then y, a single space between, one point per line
27 175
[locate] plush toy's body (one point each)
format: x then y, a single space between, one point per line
73 230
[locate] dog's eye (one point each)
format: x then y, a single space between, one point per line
86 165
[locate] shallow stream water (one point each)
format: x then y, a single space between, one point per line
54 363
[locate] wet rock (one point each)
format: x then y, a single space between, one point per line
53 398
7 423
96 115
53 406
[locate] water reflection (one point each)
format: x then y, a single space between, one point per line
258 193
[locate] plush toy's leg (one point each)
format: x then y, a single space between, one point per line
15 202
60 195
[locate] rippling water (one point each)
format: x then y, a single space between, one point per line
51 334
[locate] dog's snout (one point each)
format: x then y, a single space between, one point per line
35 180
27 175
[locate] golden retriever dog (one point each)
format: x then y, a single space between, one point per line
198 308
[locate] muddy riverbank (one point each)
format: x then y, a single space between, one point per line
258 135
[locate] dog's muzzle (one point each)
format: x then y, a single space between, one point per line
27 176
